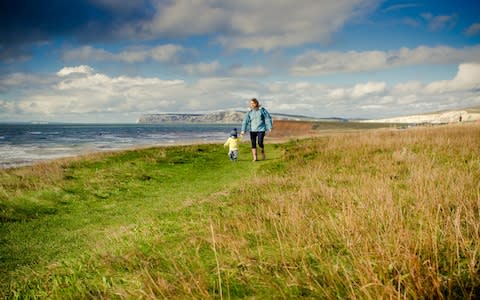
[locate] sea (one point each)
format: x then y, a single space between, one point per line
27 144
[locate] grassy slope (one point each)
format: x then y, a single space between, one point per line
59 213
373 214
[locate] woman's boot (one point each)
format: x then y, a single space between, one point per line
262 150
254 154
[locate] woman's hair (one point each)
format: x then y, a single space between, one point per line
254 100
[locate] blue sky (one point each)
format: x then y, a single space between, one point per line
113 60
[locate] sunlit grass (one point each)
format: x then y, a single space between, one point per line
369 215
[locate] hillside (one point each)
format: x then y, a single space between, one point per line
223 117
217 117
234 117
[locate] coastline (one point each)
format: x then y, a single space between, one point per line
283 131
27 144
96 153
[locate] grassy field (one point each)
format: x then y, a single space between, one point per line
369 214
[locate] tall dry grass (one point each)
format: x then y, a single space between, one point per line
368 215
383 214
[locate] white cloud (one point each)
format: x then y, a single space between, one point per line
23 81
466 81
75 70
321 63
131 56
95 92
407 99
203 68
81 92
91 82
369 88
248 71
259 25
407 88
467 78
183 18
168 53
337 93
86 53
7 107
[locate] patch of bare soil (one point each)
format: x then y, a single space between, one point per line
287 129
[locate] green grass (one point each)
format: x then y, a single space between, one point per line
94 207
365 215
352 125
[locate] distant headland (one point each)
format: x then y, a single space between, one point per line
235 117
220 117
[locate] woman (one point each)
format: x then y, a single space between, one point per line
257 121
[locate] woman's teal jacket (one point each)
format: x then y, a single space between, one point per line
257 120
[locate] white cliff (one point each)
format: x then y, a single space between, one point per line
434 118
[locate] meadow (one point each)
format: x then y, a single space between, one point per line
365 214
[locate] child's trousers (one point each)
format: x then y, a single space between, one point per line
233 155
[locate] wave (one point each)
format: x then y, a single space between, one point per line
27 144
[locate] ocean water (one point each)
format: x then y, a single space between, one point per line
25 144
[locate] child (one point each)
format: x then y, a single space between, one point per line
232 144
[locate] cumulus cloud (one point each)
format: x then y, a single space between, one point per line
467 78
287 24
168 53
357 91
315 62
407 88
466 81
23 81
259 25
243 71
369 88
82 92
86 53
203 68
75 70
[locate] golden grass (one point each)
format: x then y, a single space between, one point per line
384 214
373 214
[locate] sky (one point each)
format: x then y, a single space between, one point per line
110 61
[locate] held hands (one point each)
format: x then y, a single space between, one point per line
243 133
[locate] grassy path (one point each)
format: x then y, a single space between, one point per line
380 214
56 213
